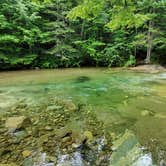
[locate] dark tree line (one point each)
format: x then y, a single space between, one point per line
70 33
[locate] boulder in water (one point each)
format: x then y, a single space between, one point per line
17 122
127 151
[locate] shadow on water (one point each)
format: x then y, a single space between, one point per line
82 79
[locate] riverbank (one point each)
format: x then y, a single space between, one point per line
154 68
148 68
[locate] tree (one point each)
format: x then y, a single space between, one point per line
97 14
69 33
142 16
56 48
18 32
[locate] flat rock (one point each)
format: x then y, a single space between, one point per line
17 122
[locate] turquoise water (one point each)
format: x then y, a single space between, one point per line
122 99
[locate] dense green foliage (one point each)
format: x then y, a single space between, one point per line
70 33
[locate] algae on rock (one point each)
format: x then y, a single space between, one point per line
127 152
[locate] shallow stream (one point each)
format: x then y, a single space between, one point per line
121 99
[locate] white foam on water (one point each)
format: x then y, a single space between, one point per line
74 160
42 161
163 75
101 143
145 160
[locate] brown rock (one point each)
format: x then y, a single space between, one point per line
17 122
26 153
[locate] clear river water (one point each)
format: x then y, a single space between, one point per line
122 99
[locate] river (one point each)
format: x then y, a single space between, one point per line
121 99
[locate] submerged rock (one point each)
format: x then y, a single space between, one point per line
28 162
11 164
127 151
19 135
88 135
147 113
53 108
17 122
26 153
48 128
82 79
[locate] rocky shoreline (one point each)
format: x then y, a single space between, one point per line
45 134
59 133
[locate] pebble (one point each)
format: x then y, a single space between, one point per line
48 128
26 153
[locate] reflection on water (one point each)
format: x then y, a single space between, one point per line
121 99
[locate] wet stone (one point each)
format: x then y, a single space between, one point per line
28 162
54 107
17 122
88 135
66 139
26 153
48 128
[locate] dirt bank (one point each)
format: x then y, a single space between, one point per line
148 68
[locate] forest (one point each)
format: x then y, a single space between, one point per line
82 82
70 33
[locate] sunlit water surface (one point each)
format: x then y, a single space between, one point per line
121 99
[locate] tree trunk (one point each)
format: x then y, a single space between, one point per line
135 47
149 42
82 29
